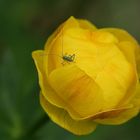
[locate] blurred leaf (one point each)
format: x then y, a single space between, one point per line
18 111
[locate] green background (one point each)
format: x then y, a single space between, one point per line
24 27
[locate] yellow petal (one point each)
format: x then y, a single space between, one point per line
71 23
124 115
85 24
136 100
46 89
138 61
82 96
78 34
120 118
115 77
62 118
115 80
122 35
111 113
128 49
104 37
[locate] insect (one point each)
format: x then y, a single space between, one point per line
68 58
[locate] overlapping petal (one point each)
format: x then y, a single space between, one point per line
82 96
123 115
62 118
46 89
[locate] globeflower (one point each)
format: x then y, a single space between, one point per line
89 76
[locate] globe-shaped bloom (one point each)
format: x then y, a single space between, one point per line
89 76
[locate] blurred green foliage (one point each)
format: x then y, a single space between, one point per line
24 27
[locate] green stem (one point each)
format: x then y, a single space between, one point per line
38 125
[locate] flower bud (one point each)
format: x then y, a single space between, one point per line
89 76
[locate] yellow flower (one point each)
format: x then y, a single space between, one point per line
89 76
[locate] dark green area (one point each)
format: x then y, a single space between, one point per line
24 27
